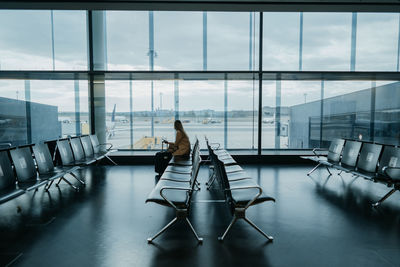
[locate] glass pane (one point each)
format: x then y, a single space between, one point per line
13 122
53 109
127 40
231 44
326 41
281 41
268 114
202 107
242 114
178 40
126 132
26 43
377 41
70 40
347 111
387 114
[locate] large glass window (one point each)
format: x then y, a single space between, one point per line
178 40
127 40
198 54
32 111
43 40
281 41
224 111
377 41
307 114
326 41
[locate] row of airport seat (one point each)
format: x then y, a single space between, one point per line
372 161
175 188
240 190
26 168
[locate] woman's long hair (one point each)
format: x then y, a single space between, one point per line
179 127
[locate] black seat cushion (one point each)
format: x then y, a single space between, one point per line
180 162
179 169
176 176
235 176
180 198
233 168
241 197
315 158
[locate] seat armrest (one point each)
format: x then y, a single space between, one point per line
188 189
314 151
107 144
387 168
248 187
215 146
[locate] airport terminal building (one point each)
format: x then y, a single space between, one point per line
291 108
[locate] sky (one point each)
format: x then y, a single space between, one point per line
26 44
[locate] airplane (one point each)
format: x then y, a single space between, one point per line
5 121
110 125
268 121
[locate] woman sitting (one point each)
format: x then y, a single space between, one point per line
181 146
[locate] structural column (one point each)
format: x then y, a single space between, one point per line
98 61
77 107
151 65
226 112
28 111
353 41
131 113
176 96
278 114
204 40
301 43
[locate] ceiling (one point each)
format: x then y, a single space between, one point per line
212 5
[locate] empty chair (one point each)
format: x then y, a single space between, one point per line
389 171
25 169
241 195
349 157
88 148
101 150
177 195
334 153
67 158
368 161
46 167
8 187
234 172
79 153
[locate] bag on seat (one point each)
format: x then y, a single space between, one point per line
161 161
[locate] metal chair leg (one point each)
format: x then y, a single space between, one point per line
48 186
149 240
200 239
210 178
384 198
316 167
258 229
221 238
113 162
211 183
328 170
76 177
69 183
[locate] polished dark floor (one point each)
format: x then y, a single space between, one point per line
316 221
